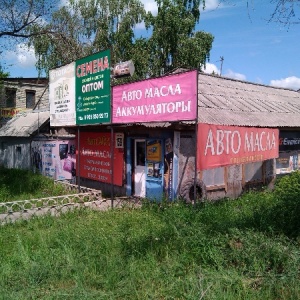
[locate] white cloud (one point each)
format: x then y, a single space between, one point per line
23 56
150 6
211 4
210 69
292 82
235 75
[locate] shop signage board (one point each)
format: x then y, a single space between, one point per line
289 152
220 145
96 157
289 140
93 104
10 112
169 98
62 95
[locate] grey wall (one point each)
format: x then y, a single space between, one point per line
15 153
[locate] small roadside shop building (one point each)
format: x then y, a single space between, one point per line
172 136
158 125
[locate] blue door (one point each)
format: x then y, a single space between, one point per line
154 169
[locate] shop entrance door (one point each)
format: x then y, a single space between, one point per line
154 169
140 168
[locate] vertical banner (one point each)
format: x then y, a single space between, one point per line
62 95
93 89
95 157
55 159
220 145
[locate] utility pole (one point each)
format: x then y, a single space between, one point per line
221 60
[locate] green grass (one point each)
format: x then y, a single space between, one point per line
233 249
23 185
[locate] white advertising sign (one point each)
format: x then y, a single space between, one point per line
62 95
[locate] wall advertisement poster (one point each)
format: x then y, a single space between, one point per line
96 158
55 159
220 145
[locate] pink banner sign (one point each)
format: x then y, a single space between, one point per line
169 98
231 145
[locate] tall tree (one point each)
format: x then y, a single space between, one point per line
174 42
85 27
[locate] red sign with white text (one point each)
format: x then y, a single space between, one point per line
220 145
96 160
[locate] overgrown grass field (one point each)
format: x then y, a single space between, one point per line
23 185
247 248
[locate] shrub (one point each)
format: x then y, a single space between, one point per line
286 213
16 184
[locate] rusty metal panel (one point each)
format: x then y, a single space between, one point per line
234 181
24 124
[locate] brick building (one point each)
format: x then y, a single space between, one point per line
22 94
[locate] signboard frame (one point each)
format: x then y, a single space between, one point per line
221 145
93 90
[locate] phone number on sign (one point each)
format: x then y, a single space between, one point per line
96 116
99 177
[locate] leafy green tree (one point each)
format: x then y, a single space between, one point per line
82 28
3 74
85 27
174 42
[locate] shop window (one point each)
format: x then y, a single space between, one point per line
287 162
254 171
11 95
30 99
214 176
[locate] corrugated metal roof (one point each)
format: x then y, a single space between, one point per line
226 101
24 124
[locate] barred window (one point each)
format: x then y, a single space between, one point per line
30 99
10 95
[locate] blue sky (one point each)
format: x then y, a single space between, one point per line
253 49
